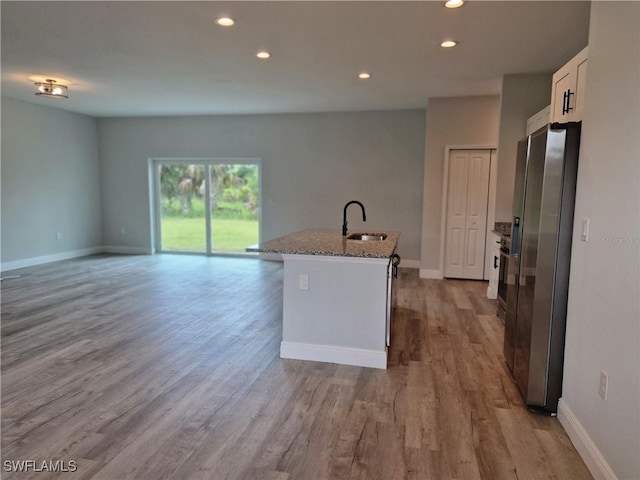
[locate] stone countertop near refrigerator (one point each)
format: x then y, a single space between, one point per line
502 229
330 243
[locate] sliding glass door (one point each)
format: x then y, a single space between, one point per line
207 206
182 213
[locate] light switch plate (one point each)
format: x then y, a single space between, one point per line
303 282
584 235
604 385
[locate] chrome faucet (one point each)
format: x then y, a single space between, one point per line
344 216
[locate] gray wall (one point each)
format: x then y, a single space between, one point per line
50 181
603 320
312 164
522 96
450 121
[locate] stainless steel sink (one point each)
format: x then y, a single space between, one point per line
367 237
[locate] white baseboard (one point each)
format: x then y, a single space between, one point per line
492 293
333 354
127 250
56 257
429 273
409 263
270 257
590 454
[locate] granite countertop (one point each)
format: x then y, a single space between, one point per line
502 229
329 242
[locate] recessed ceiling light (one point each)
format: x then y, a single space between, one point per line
263 54
449 43
454 3
225 21
364 75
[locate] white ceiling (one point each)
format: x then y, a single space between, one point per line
170 58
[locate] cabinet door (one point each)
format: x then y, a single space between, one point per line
581 78
568 89
564 81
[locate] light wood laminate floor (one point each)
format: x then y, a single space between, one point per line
167 367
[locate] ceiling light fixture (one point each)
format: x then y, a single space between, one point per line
454 3
263 54
51 89
364 75
449 43
225 21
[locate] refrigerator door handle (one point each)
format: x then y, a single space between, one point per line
515 238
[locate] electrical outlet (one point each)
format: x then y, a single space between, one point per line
303 282
123 232
58 236
604 385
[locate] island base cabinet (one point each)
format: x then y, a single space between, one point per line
334 310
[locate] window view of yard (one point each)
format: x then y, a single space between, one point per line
233 199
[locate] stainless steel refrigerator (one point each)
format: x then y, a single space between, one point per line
538 268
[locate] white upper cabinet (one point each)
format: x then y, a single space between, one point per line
567 94
539 120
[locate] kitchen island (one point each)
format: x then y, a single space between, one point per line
337 296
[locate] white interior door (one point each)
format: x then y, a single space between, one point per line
456 213
467 200
476 221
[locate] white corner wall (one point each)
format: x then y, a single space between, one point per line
603 322
312 164
50 184
450 121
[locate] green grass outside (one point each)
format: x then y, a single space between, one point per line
186 234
